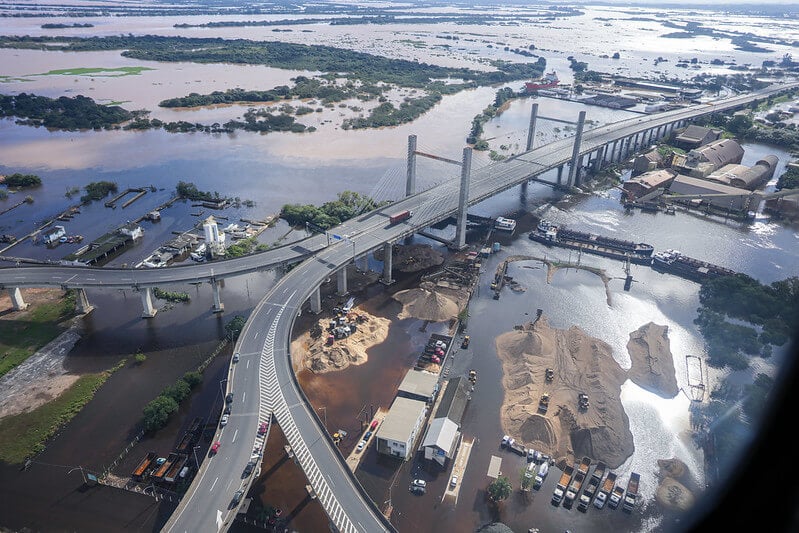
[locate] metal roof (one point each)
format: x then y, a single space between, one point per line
419 383
443 434
401 419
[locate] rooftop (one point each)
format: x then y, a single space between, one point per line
453 402
443 434
419 383
401 419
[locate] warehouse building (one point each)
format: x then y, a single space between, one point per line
401 427
701 162
647 182
745 177
695 136
734 199
419 385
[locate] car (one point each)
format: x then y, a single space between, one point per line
419 483
465 343
236 357
367 436
237 496
223 422
453 482
360 445
262 428
229 397
249 468
227 410
374 425
215 447
417 489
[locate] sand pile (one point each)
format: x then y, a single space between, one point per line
426 303
581 364
652 363
319 358
673 492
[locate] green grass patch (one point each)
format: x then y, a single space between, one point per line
25 434
96 71
12 79
19 339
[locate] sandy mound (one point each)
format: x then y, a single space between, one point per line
676 490
580 364
426 303
319 358
652 362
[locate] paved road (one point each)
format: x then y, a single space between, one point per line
263 382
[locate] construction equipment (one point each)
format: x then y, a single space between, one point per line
543 403
582 399
549 375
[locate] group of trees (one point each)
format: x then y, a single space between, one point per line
773 309
170 296
348 205
67 113
21 180
189 191
244 247
158 411
97 190
503 95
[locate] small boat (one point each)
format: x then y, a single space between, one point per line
505 224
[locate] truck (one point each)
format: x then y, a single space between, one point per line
144 466
542 474
174 470
605 490
159 475
616 496
632 492
563 482
596 479
511 444
588 493
399 216
577 482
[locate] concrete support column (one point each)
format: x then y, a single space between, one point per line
531 128
560 174
147 303
341 281
614 154
218 305
82 305
316 301
16 299
410 182
466 170
388 263
578 172
578 138
600 156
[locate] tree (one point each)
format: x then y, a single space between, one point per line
499 489
178 392
234 327
140 358
526 479
156 413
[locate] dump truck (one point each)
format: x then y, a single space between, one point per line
174 470
616 496
543 403
400 216
563 482
605 490
542 474
632 492
144 466
577 482
592 486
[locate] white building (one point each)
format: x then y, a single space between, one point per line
441 441
399 430
132 230
54 234
214 239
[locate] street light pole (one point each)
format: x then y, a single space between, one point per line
325 411
195 457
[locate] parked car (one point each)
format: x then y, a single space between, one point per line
374 425
453 482
236 357
419 483
262 428
249 468
367 436
223 422
360 445
229 397
465 343
237 496
215 447
227 410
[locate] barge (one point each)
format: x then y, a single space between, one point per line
674 262
553 235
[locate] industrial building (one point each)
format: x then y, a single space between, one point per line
695 136
648 182
400 428
734 199
745 177
701 162
646 162
419 385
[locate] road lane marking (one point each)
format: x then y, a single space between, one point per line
248 364
243 396
235 434
213 484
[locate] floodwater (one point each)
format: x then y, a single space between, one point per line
280 168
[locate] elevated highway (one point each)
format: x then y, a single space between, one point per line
264 383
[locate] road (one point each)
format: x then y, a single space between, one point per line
264 383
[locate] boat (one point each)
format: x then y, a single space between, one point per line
674 262
549 80
505 224
553 235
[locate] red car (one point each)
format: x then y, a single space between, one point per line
373 426
262 428
215 447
